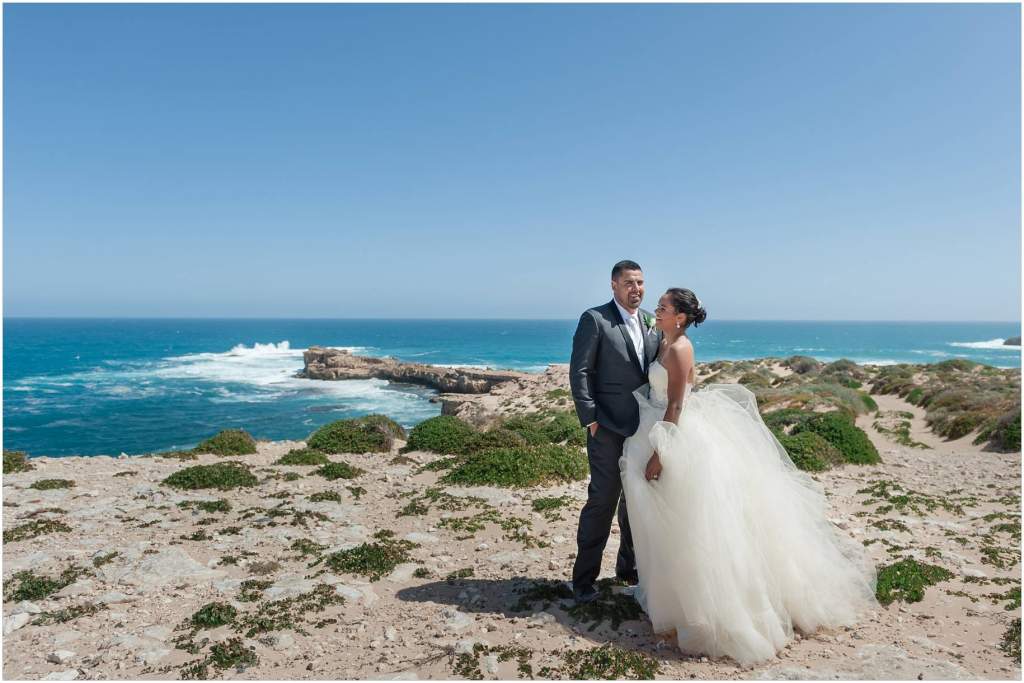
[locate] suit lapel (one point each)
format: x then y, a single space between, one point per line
629 340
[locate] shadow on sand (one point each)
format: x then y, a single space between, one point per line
614 618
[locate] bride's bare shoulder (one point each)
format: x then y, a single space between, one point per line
679 353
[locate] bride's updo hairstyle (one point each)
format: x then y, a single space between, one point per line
685 301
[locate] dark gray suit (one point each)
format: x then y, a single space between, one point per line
603 373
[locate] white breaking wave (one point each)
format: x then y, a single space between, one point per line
257 374
990 344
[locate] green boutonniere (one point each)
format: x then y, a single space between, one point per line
649 321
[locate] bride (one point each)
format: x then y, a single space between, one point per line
732 544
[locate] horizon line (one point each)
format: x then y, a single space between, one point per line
495 319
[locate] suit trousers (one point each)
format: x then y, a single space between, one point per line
603 494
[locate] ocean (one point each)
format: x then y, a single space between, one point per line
111 386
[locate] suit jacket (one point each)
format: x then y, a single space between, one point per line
605 370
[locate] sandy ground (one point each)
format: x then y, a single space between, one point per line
402 626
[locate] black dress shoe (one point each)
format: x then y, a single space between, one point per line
584 595
630 578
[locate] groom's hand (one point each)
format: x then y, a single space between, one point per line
593 429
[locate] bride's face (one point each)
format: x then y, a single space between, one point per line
666 315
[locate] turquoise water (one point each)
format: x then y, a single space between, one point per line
95 386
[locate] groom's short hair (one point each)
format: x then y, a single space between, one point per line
624 265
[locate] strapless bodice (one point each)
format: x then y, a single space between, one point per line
657 378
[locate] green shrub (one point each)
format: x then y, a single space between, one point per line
1007 434
49 484
521 467
384 423
494 438
915 396
223 476
839 430
228 442
213 614
869 402
754 380
372 560
906 580
802 365
547 427
564 427
444 434
811 452
778 420
961 425
528 427
16 461
303 456
352 436
339 470
956 364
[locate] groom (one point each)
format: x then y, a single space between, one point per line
611 350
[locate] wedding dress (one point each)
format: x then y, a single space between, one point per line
733 546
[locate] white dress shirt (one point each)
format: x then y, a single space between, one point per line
635 331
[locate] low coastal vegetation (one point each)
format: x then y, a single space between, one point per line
37 527
27 585
907 579
16 461
228 442
50 484
303 456
372 560
838 429
222 476
811 452
820 441
960 397
370 434
521 467
338 470
444 434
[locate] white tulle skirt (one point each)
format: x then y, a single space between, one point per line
733 546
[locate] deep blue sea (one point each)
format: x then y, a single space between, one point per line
98 386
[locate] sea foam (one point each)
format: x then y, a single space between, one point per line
990 344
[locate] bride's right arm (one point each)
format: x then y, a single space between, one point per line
678 362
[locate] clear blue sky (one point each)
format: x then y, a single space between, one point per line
785 162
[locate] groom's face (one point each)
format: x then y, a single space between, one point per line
628 289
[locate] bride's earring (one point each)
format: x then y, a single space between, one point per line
678 326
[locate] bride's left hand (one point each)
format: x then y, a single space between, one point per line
653 470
